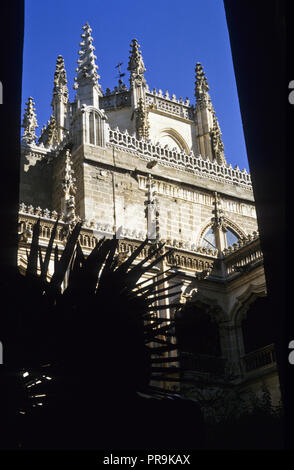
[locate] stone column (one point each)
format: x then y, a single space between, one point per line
230 346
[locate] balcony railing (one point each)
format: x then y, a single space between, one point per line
262 357
202 363
198 165
243 255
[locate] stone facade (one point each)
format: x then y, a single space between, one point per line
135 163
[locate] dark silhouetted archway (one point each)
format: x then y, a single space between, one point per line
257 327
196 332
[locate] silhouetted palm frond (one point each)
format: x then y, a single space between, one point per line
95 332
105 299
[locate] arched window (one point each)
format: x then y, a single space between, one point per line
172 138
209 239
96 128
231 237
91 128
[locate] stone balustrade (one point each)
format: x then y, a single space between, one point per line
180 160
242 242
156 100
116 99
202 363
257 359
243 255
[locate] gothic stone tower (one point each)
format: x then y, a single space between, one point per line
135 163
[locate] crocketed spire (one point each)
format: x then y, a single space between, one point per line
60 81
216 140
136 65
87 69
142 123
201 87
29 122
201 80
69 190
204 104
68 182
49 134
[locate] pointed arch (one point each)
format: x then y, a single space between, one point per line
243 301
174 136
206 226
234 227
228 223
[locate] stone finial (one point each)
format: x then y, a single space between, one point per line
152 211
142 122
201 88
68 184
60 80
216 141
136 65
218 219
151 190
29 122
87 69
69 190
203 102
201 80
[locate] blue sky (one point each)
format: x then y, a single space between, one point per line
173 35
